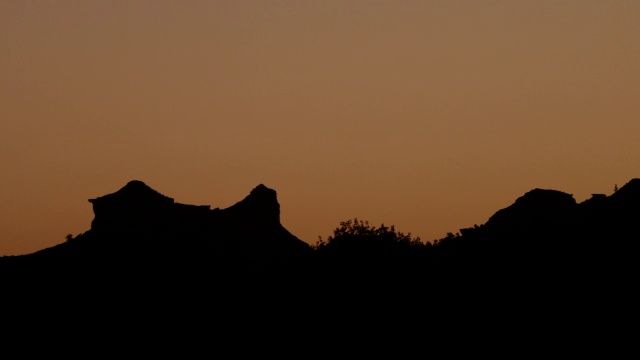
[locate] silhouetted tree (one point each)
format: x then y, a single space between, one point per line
361 231
357 242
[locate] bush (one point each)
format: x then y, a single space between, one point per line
358 236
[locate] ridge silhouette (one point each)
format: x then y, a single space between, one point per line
145 251
138 225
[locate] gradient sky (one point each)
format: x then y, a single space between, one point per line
428 115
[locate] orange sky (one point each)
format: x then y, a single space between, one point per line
429 115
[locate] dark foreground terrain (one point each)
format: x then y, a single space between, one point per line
151 264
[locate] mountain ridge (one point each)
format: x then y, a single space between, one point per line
139 225
137 228
544 262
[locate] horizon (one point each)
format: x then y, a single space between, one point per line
616 188
429 116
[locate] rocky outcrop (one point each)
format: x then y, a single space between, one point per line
137 205
547 232
535 208
253 226
138 225
259 207
551 214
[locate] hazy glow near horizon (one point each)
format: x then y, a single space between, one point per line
428 115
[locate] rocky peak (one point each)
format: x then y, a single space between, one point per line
135 203
543 198
535 206
134 192
261 204
264 197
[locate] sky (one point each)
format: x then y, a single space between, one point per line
426 115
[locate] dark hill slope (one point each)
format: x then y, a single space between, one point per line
151 267
138 232
546 236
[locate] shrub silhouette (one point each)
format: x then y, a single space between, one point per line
358 241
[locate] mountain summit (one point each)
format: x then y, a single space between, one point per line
133 205
136 205
137 227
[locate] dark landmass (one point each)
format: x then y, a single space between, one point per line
545 258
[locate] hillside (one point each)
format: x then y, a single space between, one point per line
138 229
158 265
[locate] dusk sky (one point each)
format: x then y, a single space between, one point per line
426 115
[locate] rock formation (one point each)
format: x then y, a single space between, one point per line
137 229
